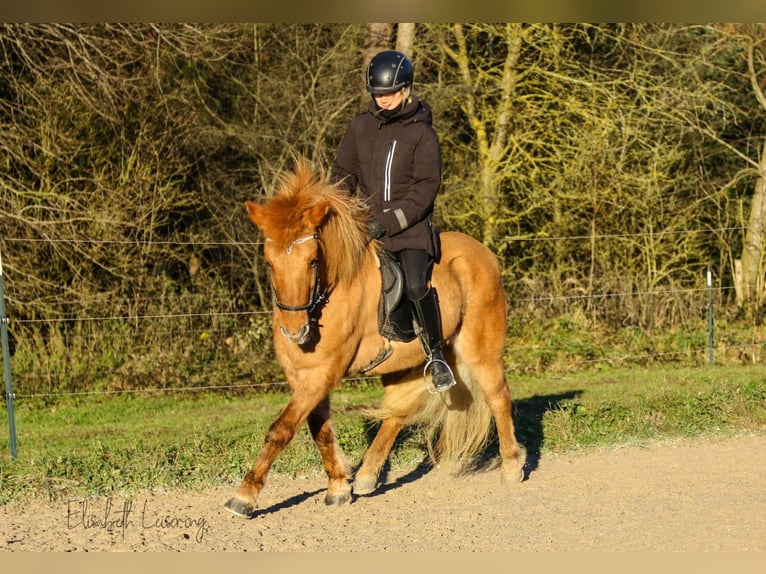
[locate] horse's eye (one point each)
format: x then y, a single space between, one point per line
314 262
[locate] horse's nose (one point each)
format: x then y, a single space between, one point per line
298 337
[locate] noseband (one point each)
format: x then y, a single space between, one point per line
318 294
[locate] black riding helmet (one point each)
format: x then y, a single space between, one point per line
388 71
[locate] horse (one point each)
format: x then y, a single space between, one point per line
326 281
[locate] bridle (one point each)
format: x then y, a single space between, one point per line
318 295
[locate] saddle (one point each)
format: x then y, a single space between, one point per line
395 312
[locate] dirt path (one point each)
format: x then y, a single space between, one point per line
679 496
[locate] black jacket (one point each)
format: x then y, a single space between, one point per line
396 163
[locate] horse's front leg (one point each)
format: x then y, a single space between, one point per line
281 432
335 464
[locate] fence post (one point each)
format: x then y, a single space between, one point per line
710 316
7 364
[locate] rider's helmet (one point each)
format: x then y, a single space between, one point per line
388 71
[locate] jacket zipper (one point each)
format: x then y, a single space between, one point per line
387 174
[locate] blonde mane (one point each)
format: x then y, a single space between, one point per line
342 231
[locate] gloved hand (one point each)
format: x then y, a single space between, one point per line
375 229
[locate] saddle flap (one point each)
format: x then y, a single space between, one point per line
395 315
392 280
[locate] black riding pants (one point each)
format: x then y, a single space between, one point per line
417 266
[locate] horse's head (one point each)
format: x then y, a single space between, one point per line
292 251
316 240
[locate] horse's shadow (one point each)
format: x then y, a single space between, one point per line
528 422
287 503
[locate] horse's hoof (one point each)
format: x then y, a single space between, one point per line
240 508
338 498
513 471
514 477
365 485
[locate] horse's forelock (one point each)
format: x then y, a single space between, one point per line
280 222
285 216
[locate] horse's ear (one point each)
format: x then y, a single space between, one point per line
314 216
255 211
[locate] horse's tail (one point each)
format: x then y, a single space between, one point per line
457 423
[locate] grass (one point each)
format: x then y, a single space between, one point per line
124 443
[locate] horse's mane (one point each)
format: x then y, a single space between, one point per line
342 232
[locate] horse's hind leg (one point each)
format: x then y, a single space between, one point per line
335 465
479 351
366 479
512 454
498 397
480 357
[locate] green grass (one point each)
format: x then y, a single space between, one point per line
121 444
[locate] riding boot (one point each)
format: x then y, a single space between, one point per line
430 334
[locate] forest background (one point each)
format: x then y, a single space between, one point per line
611 168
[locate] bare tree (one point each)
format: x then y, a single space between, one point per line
749 40
487 98
574 151
128 150
405 38
753 286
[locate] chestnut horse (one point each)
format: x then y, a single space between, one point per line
326 281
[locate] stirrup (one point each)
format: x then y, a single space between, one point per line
433 388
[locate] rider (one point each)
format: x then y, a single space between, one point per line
391 152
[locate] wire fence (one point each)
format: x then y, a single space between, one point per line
204 327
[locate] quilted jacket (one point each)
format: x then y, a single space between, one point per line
395 163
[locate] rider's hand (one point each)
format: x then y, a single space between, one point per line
375 229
